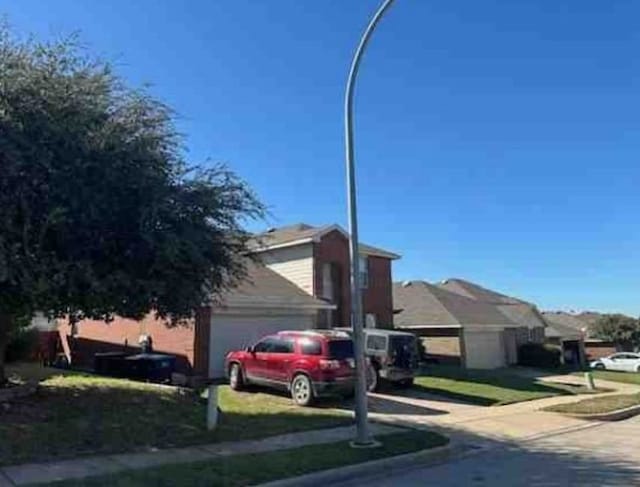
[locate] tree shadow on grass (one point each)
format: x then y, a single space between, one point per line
77 416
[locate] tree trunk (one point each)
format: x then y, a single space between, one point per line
5 326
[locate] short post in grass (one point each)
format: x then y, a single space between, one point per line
588 377
212 407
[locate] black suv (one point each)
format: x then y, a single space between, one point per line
393 356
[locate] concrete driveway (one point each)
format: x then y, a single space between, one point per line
600 455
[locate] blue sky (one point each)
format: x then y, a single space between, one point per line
496 141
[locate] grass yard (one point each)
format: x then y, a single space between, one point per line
75 414
488 387
626 377
257 468
597 405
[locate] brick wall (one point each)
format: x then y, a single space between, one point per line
376 299
189 343
596 350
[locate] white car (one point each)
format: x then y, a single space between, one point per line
624 362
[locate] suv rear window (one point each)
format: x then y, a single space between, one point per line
376 343
340 349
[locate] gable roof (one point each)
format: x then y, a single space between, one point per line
559 330
517 310
424 304
266 288
565 320
477 292
302 233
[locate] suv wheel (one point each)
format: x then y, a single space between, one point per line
301 390
373 378
599 366
236 381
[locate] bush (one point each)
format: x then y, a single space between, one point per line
536 355
22 345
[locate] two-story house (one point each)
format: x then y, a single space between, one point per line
316 259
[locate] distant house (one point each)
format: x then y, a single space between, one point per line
465 323
567 325
317 260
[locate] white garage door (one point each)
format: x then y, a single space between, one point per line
484 349
234 333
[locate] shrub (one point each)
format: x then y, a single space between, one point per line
22 345
537 355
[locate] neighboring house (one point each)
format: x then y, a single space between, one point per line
316 259
455 327
526 314
579 323
264 303
568 340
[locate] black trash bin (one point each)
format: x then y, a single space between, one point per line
108 363
152 367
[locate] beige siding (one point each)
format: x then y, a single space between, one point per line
292 263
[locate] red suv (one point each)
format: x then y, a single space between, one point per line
306 363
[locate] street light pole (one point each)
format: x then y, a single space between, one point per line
363 437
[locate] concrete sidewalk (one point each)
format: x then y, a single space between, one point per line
99 465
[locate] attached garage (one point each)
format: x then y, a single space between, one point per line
236 331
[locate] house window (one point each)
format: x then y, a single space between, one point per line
364 272
327 281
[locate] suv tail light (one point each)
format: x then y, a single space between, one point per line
329 364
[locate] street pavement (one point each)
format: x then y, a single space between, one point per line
606 454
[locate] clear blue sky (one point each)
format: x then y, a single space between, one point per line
497 141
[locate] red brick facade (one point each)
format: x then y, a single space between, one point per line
377 298
189 343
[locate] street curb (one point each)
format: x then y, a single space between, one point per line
616 415
371 468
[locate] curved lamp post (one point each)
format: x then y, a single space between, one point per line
363 436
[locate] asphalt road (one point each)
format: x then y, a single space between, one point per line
604 455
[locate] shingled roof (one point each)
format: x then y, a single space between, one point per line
422 304
266 288
302 233
517 310
477 292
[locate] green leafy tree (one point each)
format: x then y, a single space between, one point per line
620 329
100 214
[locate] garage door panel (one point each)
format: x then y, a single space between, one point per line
484 349
237 332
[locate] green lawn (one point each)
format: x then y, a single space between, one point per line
626 377
77 414
597 405
487 387
264 467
